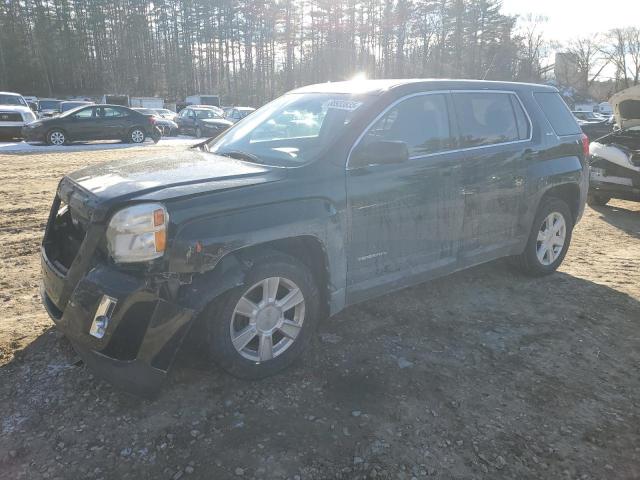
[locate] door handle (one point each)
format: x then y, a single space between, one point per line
467 191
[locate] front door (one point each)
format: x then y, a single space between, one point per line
185 120
405 219
82 124
495 133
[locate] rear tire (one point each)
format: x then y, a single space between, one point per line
549 239
597 199
137 135
285 330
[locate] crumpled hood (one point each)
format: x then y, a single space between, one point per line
168 175
626 107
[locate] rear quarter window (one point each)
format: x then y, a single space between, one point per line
557 112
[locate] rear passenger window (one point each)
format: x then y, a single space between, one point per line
557 112
487 118
422 122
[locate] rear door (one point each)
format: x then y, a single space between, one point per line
113 123
495 133
406 218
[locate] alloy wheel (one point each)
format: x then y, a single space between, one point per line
57 138
137 136
551 238
267 319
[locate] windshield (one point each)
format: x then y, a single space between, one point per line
12 100
49 104
145 111
206 113
293 129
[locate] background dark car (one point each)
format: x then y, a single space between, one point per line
202 121
593 124
94 122
167 126
48 107
70 105
595 130
590 116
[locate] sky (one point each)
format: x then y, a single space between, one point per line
571 18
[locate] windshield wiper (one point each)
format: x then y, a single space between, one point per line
202 145
240 155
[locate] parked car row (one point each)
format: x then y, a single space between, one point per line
62 122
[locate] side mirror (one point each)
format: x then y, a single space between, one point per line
379 153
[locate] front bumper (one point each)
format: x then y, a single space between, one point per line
33 134
143 333
615 190
612 180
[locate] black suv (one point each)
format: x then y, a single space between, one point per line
327 196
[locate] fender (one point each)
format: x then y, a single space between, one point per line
544 175
201 245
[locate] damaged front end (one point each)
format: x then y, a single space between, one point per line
126 324
615 158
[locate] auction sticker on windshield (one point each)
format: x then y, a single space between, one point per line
349 105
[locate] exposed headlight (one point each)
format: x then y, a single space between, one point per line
138 233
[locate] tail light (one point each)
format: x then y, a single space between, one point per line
585 145
153 120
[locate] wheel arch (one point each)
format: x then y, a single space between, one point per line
63 130
230 270
568 193
137 127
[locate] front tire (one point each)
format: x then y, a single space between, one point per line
56 137
549 239
263 326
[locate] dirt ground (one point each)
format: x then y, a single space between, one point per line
483 374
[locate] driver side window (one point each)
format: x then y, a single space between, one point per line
422 122
84 114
